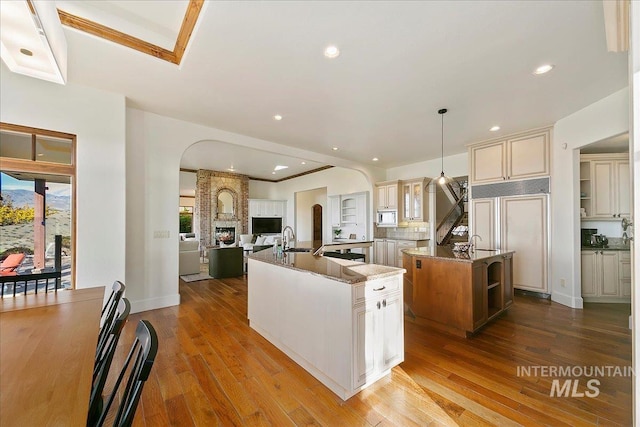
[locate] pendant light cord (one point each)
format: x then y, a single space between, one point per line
442 111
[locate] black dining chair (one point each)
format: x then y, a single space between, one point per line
143 353
104 357
109 312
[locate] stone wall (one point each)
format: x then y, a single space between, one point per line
206 219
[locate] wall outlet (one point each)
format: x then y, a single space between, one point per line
161 234
563 283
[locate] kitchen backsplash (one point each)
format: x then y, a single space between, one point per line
419 231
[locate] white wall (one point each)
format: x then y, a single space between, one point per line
188 184
98 120
454 165
600 120
304 202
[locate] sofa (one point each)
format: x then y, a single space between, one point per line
188 257
247 242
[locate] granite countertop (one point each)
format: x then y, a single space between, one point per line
607 248
408 239
346 271
446 253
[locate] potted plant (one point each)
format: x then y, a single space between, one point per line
337 232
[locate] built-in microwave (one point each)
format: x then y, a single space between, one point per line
388 218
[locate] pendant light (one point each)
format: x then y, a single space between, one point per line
442 180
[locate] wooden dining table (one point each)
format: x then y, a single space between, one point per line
47 350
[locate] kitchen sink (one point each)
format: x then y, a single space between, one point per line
299 250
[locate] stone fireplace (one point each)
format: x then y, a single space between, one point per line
222 203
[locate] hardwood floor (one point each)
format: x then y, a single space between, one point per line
212 369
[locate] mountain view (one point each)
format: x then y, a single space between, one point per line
24 198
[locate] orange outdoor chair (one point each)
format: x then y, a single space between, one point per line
10 264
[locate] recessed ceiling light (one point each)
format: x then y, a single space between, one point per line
543 69
26 52
273 173
303 163
331 51
277 117
231 170
375 159
335 148
494 128
40 154
280 167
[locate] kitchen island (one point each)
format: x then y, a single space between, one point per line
458 292
340 320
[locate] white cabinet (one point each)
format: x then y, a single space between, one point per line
524 229
348 210
334 211
379 336
414 205
519 156
385 252
267 208
605 185
387 195
606 275
347 335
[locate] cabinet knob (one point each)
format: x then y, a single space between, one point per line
378 304
384 302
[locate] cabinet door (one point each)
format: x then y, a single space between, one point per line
334 209
364 353
391 248
406 202
589 273
479 295
624 273
392 327
609 274
279 208
524 230
392 196
528 156
488 163
483 223
254 206
381 199
507 280
623 188
603 189
380 251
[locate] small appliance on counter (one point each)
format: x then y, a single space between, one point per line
586 234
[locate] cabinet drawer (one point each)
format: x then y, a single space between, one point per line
375 289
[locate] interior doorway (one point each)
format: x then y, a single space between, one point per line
317 222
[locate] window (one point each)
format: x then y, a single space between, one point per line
37 197
186 219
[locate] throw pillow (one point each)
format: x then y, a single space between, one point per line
245 238
255 236
260 240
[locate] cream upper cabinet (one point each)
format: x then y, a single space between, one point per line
488 163
387 195
414 205
605 185
517 157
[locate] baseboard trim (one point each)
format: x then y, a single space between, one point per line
155 303
568 300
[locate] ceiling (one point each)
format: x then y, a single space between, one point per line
400 62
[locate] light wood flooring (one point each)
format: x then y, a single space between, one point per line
212 369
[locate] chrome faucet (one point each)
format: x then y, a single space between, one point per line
471 245
285 244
